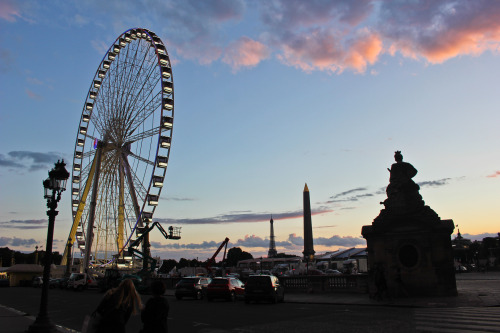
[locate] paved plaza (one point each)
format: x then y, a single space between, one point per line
475 309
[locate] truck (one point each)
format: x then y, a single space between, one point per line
81 281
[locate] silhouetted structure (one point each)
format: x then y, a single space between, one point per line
408 241
272 244
308 236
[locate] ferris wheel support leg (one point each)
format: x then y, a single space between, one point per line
121 207
78 215
132 190
93 204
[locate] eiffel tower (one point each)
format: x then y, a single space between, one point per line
272 245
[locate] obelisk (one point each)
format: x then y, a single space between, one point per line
308 235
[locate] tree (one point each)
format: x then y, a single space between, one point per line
167 266
284 255
236 254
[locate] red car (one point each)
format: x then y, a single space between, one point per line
228 288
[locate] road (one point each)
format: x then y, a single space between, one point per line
68 308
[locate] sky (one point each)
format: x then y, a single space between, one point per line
269 95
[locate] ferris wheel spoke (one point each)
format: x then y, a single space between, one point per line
132 71
145 112
141 95
133 87
88 154
140 190
144 135
152 163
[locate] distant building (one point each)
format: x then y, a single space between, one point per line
352 260
23 274
461 253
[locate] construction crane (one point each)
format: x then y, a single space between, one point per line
212 260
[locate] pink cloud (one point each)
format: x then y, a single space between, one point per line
363 51
245 52
440 30
324 51
334 36
9 11
494 175
33 95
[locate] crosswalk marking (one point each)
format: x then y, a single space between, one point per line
458 320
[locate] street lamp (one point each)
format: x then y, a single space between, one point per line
53 187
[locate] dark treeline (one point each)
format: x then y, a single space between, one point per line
10 257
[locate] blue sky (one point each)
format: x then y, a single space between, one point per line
269 95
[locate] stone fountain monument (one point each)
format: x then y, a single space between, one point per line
409 246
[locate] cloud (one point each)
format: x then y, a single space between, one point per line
351 198
6 60
191 246
293 243
479 237
24 224
243 217
434 183
34 81
341 194
33 95
256 241
9 11
334 35
314 35
440 30
325 50
320 35
245 52
194 26
14 241
32 161
178 199
99 46
494 175
335 240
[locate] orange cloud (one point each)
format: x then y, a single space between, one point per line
323 50
363 51
441 30
245 52
495 175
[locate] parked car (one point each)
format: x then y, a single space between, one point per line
264 287
314 271
228 288
192 286
63 283
53 283
333 272
81 281
37 282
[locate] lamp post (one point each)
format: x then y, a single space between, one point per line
53 187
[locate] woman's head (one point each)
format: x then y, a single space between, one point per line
158 288
127 286
128 296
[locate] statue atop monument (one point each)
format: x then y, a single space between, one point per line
402 191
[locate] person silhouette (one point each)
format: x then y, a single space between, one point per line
155 313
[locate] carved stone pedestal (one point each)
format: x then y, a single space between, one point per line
409 246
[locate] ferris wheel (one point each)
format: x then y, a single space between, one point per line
122 146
